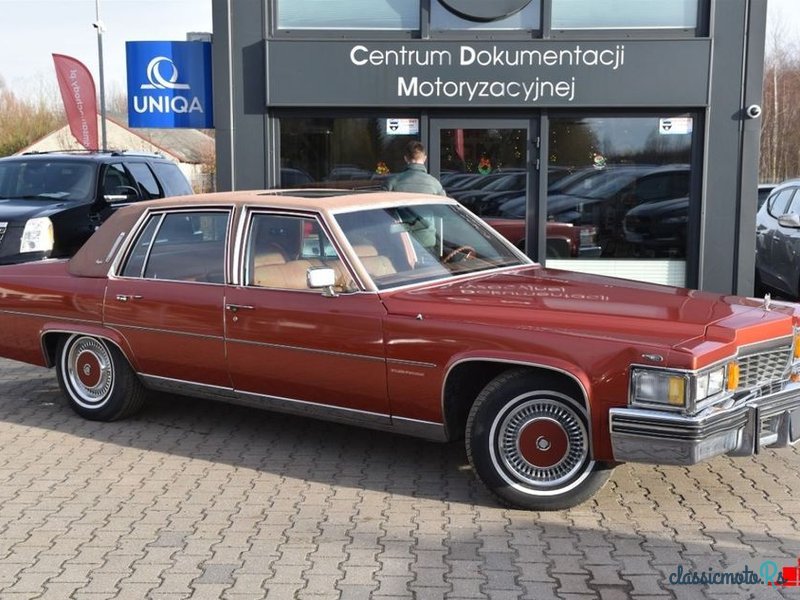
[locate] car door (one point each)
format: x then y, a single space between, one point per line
167 300
768 236
785 251
294 348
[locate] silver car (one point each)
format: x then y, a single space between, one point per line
778 241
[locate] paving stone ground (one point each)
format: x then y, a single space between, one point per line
192 499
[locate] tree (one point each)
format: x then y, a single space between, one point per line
22 122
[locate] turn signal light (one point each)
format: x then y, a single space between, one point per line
733 376
797 347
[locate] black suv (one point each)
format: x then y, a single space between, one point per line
50 203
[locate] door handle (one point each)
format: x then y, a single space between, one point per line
126 297
237 307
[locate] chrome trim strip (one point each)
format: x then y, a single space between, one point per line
304 349
428 430
46 316
122 326
587 405
411 363
455 278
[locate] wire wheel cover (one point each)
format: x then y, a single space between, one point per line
89 372
541 442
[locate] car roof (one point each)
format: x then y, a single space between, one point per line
84 156
95 257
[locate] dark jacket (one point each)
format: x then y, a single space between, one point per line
415 179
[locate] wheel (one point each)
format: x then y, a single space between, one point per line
467 252
97 379
528 441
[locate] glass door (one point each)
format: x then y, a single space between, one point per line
488 166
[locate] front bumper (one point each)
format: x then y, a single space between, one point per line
658 437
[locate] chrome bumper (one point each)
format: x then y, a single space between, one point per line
658 437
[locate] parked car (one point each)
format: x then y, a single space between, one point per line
564 240
764 190
778 241
658 228
406 313
50 203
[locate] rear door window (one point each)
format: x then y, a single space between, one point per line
173 180
780 202
148 186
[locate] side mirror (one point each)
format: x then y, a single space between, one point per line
791 220
122 193
322 278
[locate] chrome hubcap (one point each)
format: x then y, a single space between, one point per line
541 442
89 372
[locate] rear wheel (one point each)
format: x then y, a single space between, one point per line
96 379
528 441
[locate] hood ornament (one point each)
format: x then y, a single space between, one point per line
767 302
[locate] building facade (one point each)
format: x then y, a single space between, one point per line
608 136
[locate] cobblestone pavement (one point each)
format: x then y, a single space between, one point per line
203 500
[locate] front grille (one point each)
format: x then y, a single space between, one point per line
766 365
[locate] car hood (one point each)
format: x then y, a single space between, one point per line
662 207
22 210
591 306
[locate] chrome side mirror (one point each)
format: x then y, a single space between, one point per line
323 278
791 220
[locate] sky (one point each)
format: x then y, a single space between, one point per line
31 30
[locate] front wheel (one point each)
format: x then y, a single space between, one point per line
528 441
96 379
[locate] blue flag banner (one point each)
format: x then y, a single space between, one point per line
169 84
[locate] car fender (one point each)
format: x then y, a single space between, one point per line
94 330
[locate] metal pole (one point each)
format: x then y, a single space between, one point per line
99 26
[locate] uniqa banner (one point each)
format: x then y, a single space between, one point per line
80 99
169 84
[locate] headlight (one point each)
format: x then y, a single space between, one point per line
679 389
37 235
659 387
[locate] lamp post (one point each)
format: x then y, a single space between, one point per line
98 24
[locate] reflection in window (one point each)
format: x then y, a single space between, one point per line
628 178
624 14
526 19
347 153
353 14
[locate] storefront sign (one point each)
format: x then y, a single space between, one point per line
169 84
509 74
675 126
402 126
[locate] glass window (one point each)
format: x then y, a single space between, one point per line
281 250
627 189
353 14
528 18
624 14
147 181
779 203
182 246
43 179
410 244
173 180
350 153
118 182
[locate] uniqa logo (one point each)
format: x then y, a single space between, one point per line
483 10
165 104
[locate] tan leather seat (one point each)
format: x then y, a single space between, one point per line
287 276
375 264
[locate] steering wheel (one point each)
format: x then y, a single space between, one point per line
467 251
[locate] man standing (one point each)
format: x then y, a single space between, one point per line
415 178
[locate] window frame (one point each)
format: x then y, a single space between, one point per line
124 254
243 248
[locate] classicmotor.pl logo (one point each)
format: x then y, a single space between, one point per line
768 573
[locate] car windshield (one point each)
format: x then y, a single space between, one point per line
410 244
46 180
